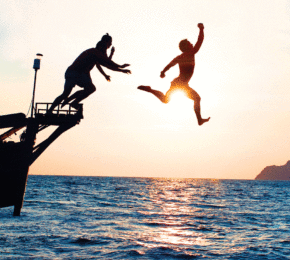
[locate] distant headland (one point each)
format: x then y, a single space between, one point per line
275 173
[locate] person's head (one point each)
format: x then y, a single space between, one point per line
185 45
104 43
107 39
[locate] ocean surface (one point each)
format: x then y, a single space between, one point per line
148 218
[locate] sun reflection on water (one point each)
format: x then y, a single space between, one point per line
172 213
176 236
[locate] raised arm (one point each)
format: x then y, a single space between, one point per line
112 52
200 38
111 56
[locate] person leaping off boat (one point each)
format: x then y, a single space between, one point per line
79 73
186 62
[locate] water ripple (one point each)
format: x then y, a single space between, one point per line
148 218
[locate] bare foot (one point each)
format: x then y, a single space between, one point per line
75 105
202 121
145 88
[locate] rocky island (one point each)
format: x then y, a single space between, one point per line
275 173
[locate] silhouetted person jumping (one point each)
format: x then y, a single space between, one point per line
79 73
186 64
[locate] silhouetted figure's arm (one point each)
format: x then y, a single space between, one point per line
107 77
119 68
112 65
111 56
112 52
200 38
171 64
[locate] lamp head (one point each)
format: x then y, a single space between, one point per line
36 64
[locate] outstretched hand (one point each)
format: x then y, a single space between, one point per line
162 75
126 71
200 26
124 66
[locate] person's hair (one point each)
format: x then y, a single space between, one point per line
102 44
106 38
183 45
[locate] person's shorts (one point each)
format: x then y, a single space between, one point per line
75 78
178 84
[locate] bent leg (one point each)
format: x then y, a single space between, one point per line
192 94
88 88
82 94
70 98
156 93
68 86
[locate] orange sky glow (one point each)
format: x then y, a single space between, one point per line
242 75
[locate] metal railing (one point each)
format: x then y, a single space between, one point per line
42 109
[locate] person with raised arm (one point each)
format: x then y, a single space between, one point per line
79 73
186 62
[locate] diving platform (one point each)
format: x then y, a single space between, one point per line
16 157
59 116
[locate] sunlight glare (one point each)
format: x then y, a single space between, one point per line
168 197
180 106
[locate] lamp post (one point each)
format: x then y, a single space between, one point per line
36 67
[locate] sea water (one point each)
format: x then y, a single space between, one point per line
148 218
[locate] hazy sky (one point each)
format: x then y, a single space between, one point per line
242 74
